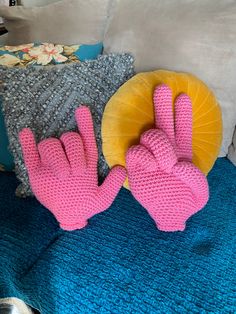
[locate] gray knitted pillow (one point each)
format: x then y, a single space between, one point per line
45 100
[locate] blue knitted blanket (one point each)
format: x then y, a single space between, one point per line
121 263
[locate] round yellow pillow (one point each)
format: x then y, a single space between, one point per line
130 112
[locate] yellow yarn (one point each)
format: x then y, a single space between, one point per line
130 112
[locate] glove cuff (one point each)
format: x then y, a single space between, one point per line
172 227
71 227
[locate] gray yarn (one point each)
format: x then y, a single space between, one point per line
45 100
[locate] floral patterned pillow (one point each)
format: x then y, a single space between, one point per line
47 54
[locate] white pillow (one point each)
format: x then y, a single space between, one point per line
27 3
67 22
182 35
37 3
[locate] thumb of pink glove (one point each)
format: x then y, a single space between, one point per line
160 170
63 174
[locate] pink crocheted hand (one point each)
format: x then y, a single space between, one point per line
160 170
63 173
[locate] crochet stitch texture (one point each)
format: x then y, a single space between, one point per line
119 265
63 174
160 170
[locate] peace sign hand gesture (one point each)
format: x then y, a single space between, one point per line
63 173
161 174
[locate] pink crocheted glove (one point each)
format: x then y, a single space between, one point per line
160 170
63 174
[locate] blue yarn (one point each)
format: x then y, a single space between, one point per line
121 263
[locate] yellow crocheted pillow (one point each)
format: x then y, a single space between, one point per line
130 112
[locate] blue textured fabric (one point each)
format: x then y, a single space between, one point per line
121 263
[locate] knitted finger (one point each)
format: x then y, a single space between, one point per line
86 130
74 151
183 127
159 145
195 180
53 156
29 149
110 188
164 120
139 156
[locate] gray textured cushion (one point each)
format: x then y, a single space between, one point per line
182 35
65 22
45 100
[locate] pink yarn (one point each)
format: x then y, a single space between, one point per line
160 170
63 173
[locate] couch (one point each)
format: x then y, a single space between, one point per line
121 263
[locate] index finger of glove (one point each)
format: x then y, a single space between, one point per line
164 119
